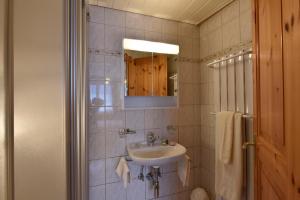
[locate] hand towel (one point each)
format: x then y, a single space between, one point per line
123 171
224 127
184 170
229 177
199 194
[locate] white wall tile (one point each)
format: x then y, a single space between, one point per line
153 36
204 44
97 93
197 109
230 12
196 48
135 120
96 14
113 68
231 34
110 167
203 30
153 119
186 47
246 26
115 119
114 93
153 24
215 41
136 21
186 72
170 27
114 17
196 73
205 178
96 146
186 30
186 95
96 37
186 136
169 117
115 145
136 190
169 38
96 69
113 38
96 120
186 115
115 191
214 22
135 34
97 193
97 172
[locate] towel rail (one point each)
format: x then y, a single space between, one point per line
243 115
230 67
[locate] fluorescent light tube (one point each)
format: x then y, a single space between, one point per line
155 47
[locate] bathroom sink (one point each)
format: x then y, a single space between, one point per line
156 155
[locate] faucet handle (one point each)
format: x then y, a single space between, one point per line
151 137
125 131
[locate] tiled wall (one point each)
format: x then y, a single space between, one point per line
107 27
228 28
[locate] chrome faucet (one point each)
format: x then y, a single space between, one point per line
151 138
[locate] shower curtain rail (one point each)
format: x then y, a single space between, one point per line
244 52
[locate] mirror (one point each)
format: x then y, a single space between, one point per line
149 73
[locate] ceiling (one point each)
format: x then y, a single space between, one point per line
189 11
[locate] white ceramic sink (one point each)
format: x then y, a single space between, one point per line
155 155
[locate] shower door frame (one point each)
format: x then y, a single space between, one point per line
8 131
76 98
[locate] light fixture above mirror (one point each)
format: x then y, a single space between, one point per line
149 46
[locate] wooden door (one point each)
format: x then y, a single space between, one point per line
271 149
147 76
291 54
277 85
140 76
160 65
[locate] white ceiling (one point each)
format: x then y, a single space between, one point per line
190 11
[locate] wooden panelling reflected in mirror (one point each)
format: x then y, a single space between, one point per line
150 74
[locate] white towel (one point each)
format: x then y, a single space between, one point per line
123 171
224 128
199 194
229 177
184 170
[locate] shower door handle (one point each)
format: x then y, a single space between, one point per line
247 144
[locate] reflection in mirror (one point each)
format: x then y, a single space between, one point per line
150 74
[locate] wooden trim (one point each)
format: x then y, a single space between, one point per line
255 86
